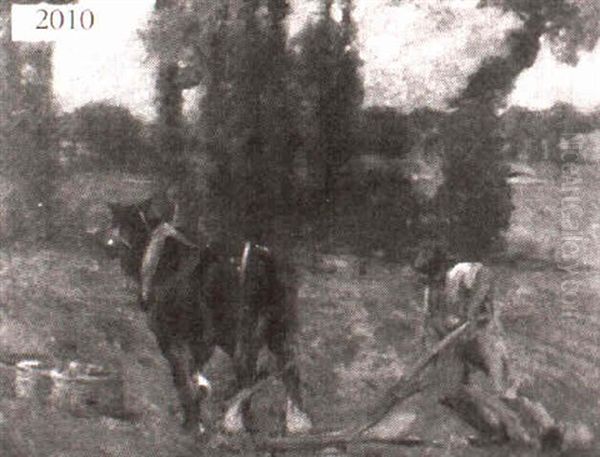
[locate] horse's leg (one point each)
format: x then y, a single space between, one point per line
245 355
278 340
179 358
201 386
174 356
202 346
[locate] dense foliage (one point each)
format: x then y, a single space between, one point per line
110 134
535 135
28 139
328 65
280 121
274 110
261 103
474 203
476 200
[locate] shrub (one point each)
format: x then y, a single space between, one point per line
474 204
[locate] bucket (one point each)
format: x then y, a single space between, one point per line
7 380
32 380
87 390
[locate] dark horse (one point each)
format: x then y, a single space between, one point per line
201 299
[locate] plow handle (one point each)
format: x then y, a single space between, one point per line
407 385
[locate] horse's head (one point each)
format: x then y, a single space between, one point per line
129 233
129 227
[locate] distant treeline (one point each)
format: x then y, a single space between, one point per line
111 136
536 135
269 151
526 134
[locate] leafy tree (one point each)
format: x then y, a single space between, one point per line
28 125
384 131
237 51
328 64
175 37
111 133
215 106
537 134
169 106
387 131
475 200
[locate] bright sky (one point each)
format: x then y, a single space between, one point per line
413 56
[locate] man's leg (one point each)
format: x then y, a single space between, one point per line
281 344
487 414
488 352
482 410
534 417
537 419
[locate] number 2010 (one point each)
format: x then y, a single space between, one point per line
57 19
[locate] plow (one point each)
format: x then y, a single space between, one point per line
499 420
361 434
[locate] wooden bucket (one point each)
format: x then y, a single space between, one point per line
32 380
87 390
7 380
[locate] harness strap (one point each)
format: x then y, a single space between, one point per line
169 231
244 262
144 220
153 254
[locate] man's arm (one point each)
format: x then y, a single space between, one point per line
479 292
425 318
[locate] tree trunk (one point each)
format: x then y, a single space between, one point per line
170 104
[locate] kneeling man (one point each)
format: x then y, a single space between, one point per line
464 292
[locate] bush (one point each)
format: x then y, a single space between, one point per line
474 204
113 136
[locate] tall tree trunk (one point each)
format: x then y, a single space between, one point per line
170 104
495 78
280 113
27 126
250 84
40 162
215 108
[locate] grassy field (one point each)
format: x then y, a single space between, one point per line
356 338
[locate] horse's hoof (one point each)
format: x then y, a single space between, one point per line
233 422
203 434
202 384
297 421
196 429
576 437
396 424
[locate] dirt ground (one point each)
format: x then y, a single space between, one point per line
357 336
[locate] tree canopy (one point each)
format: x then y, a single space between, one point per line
269 103
110 132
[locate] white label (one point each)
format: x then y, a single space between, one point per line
86 19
